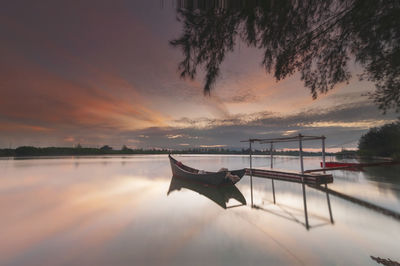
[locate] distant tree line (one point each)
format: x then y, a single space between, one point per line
27 151
381 141
377 142
75 151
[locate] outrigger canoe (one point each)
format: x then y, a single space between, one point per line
212 178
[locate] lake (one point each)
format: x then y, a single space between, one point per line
123 210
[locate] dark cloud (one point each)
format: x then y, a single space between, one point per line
343 125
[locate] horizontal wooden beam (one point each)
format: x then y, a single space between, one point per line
285 139
291 176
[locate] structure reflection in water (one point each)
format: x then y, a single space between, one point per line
222 195
219 194
291 213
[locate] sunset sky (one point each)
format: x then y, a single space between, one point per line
103 72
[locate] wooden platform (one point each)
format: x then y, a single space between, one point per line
309 178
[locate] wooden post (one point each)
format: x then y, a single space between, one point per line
323 152
272 156
329 203
250 152
301 156
302 179
272 166
251 175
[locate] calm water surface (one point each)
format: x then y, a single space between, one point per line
116 211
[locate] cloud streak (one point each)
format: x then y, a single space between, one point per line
341 125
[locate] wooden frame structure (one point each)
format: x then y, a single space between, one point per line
302 177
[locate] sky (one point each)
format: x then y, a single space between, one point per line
103 73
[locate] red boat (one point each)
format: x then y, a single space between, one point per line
339 164
353 166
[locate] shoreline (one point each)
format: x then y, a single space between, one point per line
64 151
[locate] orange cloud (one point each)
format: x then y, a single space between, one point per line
84 94
34 95
20 127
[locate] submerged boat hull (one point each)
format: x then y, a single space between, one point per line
218 194
212 178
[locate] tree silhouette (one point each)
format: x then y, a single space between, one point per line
382 141
315 37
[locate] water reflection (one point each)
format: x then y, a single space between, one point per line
220 194
290 212
382 261
53 213
358 201
387 179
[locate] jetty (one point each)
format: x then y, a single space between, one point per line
302 177
307 178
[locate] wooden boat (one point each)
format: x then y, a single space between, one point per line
211 178
356 166
339 164
221 195
342 166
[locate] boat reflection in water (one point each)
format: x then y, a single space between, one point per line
219 194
